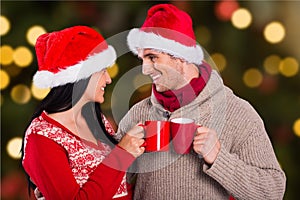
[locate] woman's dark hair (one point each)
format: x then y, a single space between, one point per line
62 98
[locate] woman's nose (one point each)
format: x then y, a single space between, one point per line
108 79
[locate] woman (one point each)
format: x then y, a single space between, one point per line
69 151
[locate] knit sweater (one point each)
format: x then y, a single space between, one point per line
65 166
245 168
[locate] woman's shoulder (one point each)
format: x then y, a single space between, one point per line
44 126
39 124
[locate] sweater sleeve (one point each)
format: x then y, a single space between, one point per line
252 171
47 164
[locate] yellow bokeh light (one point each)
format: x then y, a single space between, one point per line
203 35
113 70
22 56
4 79
6 53
252 78
4 25
13 147
20 94
296 127
33 33
39 93
274 32
289 67
13 71
241 18
220 61
142 83
271 64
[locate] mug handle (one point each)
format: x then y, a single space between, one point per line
143 126
144 144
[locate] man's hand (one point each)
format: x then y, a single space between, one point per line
207 144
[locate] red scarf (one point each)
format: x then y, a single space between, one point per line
171 100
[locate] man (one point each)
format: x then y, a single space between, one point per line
232 154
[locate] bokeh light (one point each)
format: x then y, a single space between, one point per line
33 33
6 53
220 61
39 93
4 79
22 56
269 84
241 18
13 71
4 25
271 64
140 83
234 48
224 9
296 127
13 147
113 70
289 67
203 35
252 78
274 32
20 94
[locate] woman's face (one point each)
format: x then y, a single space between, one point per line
96 86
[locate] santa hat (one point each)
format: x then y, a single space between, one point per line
70 55
167 29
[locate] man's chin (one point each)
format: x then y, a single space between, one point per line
160 88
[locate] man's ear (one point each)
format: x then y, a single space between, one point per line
191 70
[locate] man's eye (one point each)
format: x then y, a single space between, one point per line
152 58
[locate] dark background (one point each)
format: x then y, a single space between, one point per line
277 98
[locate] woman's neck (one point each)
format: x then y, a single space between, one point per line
75 122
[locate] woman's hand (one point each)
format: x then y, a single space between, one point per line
133 140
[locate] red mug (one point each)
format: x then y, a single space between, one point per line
157 136
183 132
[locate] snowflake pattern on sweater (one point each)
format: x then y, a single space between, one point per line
83 158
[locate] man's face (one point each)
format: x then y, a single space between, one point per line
166 72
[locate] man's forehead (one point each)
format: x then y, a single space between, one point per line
142 52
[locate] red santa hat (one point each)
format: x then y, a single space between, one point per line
70 55
167 29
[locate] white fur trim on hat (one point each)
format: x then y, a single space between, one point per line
81 70
139 39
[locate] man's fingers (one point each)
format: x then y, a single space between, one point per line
202 129
200 136
139 135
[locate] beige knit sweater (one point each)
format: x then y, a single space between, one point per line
246 166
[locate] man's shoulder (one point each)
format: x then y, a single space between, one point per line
242 108
142 103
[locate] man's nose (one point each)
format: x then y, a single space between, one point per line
147 68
